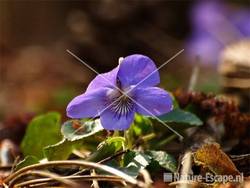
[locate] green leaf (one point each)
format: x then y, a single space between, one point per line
79 129
107 148
42 131
181 117
76 132
142 125
134 162
164 159
61 150
28 160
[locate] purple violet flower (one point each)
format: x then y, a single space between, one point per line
117 95
215 25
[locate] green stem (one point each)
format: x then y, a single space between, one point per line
167 140
128 140
116 133
148 137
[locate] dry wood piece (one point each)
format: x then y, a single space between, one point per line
235 71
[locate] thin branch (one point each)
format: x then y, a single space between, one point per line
147 178
44 174
6 167
113 156
194 76
80 178
111 170
95 183
104 160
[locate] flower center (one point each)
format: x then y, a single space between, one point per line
121 104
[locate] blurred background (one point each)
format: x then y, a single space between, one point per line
37 74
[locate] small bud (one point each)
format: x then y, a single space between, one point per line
120 60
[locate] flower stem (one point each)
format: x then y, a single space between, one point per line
167 140
128 140
116 133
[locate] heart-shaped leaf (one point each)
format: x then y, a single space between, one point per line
181 117
61 150
79 129
163 159
42 131
107 148
133 162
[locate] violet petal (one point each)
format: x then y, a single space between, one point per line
111 121
104 80
87 104
135 68
155 100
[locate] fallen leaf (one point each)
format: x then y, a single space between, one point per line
212 157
